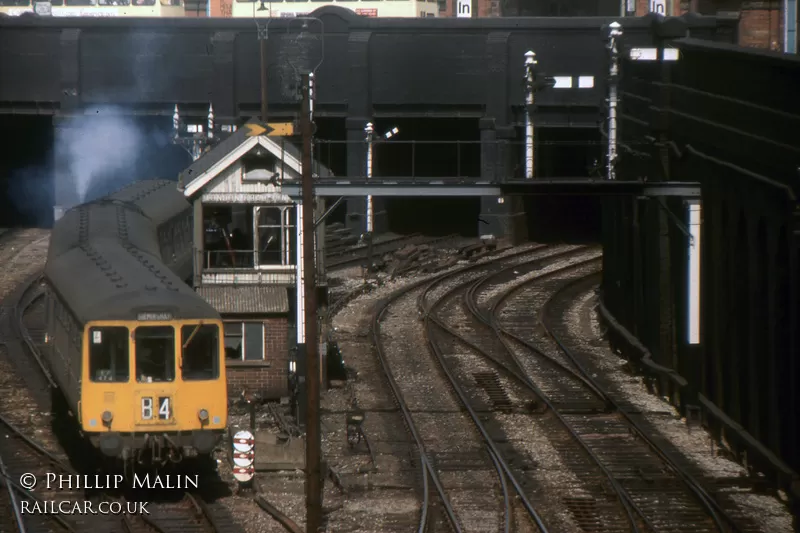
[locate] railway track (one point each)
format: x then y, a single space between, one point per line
466 484
684 484
655 493
488 365
360 254
390 242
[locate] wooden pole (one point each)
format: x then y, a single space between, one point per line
313 442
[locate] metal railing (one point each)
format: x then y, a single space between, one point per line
242 259
463 161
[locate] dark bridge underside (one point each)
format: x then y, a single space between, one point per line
371 67
532 187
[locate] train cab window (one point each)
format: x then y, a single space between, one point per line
15 3
155 354
108 355
200 359
81 2
171 2
113 2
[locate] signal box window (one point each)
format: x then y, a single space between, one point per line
109 360
200 353
228 236
155 354
276 235
244 341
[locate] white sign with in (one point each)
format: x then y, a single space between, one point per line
658 7
464 8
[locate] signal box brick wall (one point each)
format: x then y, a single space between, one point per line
269 378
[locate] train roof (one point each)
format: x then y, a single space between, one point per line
158 200
107 280
103 219
104 259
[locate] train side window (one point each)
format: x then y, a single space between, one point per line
108 354
155 354
200 352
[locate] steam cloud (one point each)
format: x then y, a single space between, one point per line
99 148
93 155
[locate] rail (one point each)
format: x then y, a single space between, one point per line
428 473
12 496
717 514
489 319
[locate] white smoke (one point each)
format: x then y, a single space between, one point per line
93 155
95 148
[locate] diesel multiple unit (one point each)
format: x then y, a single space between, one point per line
138 354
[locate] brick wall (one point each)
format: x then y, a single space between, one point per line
760 22
276 342
266 378
258 378
761 25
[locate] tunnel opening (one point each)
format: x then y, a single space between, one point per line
26 184
562 153
429 148
568 152
434 217
330 149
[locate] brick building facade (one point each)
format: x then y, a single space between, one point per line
266 378
760 22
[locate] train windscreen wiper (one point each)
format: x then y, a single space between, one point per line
194 332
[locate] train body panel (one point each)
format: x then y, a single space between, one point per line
137 353
165 397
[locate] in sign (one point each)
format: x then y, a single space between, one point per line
464 8
658 7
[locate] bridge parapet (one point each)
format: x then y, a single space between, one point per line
453 66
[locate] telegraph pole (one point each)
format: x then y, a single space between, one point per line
313 442
262 41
